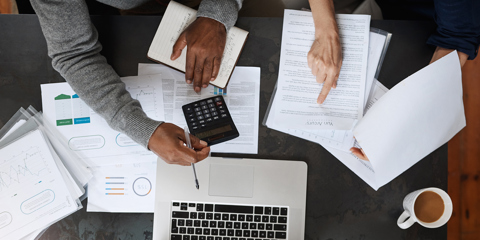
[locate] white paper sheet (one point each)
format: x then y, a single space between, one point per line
242 97
418 115
87 133
297 89
362 168
123 188
339 139
33 193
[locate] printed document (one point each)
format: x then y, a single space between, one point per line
87 133
297 88
242 97
418 115
33 194
338 139
126 187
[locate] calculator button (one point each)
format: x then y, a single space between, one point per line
219 107
199 113
224 115
190 115
203 103
191 119
215 118
213 109
201 121
214 113
200 117
196 105
208 115
194 123
197 109
203 125
209 119
218 99
211 105
204 107
188 109
219 103
223 111
206 111
209 101
194 127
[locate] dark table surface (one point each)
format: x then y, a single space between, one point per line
339 204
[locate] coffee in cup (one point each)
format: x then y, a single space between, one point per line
430 207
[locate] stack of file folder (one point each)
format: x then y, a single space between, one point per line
41 180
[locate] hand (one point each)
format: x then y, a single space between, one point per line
325 60
358 152
168 143
206 40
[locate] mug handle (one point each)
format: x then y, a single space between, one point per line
405 224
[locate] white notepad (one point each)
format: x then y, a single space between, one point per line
178 17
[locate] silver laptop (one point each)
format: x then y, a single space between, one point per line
238 199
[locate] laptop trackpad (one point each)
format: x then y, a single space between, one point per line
231 180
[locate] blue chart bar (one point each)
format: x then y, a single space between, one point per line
81 120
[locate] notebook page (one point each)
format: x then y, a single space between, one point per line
178 17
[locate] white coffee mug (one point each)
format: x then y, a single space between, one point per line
409 203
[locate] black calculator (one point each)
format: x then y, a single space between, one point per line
210 120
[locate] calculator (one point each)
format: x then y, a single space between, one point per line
210 120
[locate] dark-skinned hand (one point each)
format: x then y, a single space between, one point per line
168 142
206 40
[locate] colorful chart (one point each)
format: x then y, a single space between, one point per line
63 109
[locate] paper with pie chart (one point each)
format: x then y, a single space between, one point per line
123 188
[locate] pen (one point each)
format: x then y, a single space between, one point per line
189 145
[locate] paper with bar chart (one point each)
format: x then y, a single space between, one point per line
87 133
33 194
123 188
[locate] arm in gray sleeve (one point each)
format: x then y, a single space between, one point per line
73 45
224 11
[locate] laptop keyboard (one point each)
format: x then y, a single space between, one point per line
210 221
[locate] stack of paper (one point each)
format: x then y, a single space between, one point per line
41 179
390 134
124 172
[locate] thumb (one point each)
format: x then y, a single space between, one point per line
179 45
197 143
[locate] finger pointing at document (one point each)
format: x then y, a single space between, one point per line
325 55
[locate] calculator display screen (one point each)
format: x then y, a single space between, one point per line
215 131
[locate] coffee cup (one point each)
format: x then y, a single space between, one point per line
430 207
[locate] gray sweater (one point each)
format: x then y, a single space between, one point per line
73 45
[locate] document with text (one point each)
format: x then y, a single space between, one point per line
297 91
242 97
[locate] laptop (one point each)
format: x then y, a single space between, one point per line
238 199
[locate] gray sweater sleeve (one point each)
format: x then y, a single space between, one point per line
224 11
73 45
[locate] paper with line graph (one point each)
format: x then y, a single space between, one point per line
33 194
87 133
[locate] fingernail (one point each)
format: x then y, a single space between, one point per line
212 79
197 89
203 143
204 85
189 81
